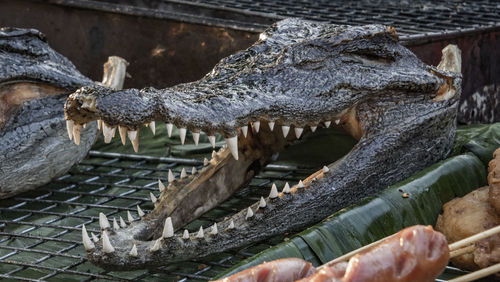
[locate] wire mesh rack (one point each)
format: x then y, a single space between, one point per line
40 231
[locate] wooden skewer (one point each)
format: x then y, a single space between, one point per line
478 274
474 238
462 251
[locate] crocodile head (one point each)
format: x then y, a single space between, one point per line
34 83
299 75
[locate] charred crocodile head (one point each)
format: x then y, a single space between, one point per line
34 83
299 75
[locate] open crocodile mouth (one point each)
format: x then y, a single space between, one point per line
299 76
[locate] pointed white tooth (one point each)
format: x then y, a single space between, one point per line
285 129
256 126
103 221
168 229
313 128
327 123
133 251
84 125
115 224
301 185
337 121
182 135
271 125
99 124
262 203
129 217
183 173
286 189
214 154
249 213
169 129
185 235
123 134
106 244
155 246
153 197
69 127
89 245
298 131
200 233
232 144
325 169
231 225
214 230
211 138
152 125
134 138
140 212
274 192
244 130
94 238
196 138
108 132
161 186
171 176
193 170
205 162
122 223
77 130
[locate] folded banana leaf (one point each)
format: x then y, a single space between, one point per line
381 215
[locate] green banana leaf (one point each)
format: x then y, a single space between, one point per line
481 140
382 215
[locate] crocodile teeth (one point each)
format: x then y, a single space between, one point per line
171 176
94 238
185 236
298 131
169 129
262 203
152 125
115 224
231 225
123 134
161 186
196 138
325 169
205 162
337 121
274 192
69 127
153 197
133 251
301 185
313 128
249 213
256 126
214 154
134 138
77 130
87 243
129 217
155 246
183 173
99 124
193 170
214 230
211 138
122 223
271 125
103 221
327 123
232 144
182 135
285 129
168 230
106 244
200 233
244 130
286 189
140 212
108 132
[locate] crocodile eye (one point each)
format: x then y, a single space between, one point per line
309 56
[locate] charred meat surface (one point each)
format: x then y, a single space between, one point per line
299 75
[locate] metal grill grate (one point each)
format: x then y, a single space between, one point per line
40 237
